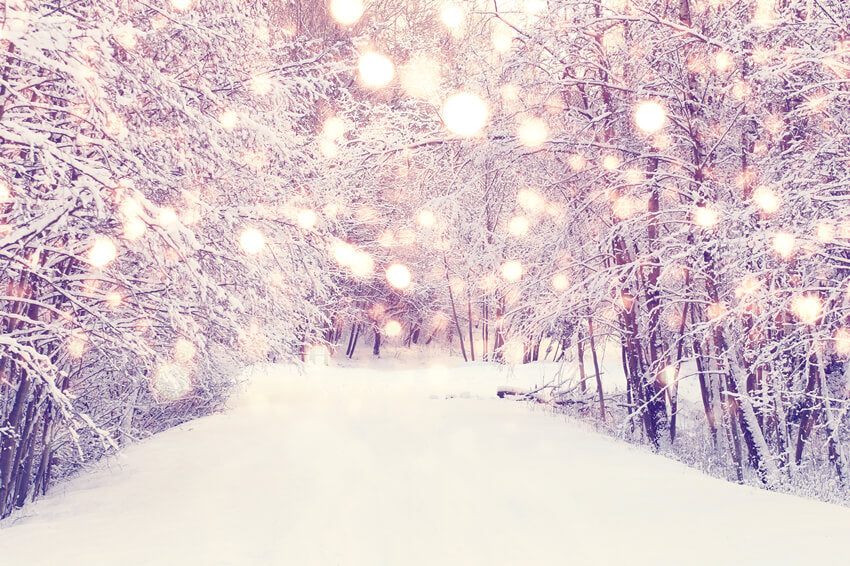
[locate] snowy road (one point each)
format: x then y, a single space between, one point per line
349 467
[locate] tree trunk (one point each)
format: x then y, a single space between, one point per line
376 348
580 355
596 369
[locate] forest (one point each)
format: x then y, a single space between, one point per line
188 187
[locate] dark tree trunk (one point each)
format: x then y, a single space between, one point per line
596 368
376 349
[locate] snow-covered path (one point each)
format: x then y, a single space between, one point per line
345 467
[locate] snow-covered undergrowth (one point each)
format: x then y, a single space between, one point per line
406 464
557 386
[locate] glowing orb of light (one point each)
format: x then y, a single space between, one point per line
766 199
252 241
361 264
715 310
723 61
333 128
114 299
115 126
307 218
634 176
181 5
518 226
228 119
825 232
502 37
77 346
343 253
748 286
530 200
328 148
842 342
577 162
330 210
346 12
184 351
807 308
650 116
134 228
457 285
261 84
398 276
167 216
375 70
532 132
512 270
392 328
610 162
102 252
452 16
560 282
465 114
625 207
172 382
783 244
262 33
741 90
426 219
125 36
706 217
533 7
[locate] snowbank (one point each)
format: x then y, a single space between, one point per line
410 466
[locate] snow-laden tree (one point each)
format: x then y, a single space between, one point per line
154 161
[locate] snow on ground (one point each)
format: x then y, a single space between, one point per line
400 465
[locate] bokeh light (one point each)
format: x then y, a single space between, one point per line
518 226
252 241
706 216
346 12
512 270
452 16
261 84
723 61
307 218
650 116
375 70
398 276
560 282
392 328
842 342
228 119
807 308
465 114
102 252
530 200
783 244
766 199
426 219
184 351
532 132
